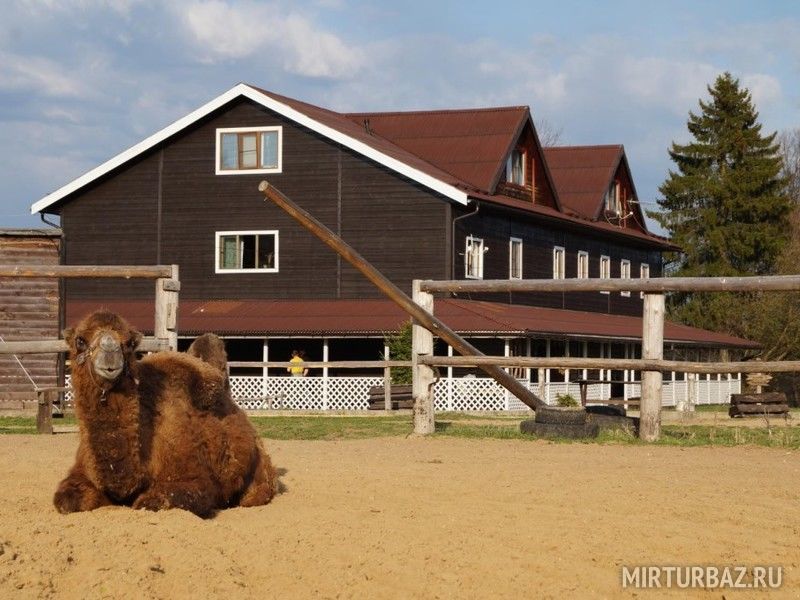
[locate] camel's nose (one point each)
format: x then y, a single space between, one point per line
108 343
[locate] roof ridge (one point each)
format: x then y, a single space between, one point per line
576 147
437 111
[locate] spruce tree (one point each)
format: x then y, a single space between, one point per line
726 205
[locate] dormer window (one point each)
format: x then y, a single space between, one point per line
613 200
254 150
515 167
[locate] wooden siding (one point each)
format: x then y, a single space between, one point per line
495 227
28 311
138 216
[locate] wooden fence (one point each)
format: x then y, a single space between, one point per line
652 362
165 335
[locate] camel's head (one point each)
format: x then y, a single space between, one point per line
103 344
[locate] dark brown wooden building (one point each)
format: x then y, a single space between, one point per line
29 310
431 194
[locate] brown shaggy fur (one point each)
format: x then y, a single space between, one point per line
163 433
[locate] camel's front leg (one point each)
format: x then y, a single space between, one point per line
195 496
76 493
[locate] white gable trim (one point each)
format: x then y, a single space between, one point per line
242 89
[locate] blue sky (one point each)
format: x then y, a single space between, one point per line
81 80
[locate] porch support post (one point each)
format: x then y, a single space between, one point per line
652 348
265 370
422 345
325 398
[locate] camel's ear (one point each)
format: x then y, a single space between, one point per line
69 335
135 339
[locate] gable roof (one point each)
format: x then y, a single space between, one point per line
470 143
324 122
582 175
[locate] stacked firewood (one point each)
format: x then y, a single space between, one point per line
759 405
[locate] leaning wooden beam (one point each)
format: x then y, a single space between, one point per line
86 271
422 317
773 283
616 364
49 346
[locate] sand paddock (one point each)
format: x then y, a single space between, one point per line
413 518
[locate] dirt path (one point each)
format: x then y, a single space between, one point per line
413 518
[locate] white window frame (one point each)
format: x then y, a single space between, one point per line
583 264
613 200
559 262
256 171
474 245
220 234
514 246
510 167
625 273
644 273
605 269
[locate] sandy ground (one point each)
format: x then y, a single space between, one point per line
414 518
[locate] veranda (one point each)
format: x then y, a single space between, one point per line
259 386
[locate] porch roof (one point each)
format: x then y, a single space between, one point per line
361 317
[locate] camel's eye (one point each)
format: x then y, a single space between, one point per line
131 343
80 343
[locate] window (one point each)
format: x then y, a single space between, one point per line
558 262
242 150
583 265
473 258
605 269
613 200
246 251
515 167
514 258
644 273
625 273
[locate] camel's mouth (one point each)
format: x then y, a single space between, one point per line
108 373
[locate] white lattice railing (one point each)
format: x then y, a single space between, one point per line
456 394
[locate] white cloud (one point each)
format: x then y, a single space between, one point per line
227 31
39 75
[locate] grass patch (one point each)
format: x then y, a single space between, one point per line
331 428
503 427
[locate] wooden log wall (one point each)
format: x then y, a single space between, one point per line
29 310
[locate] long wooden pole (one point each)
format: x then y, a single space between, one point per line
86 271
394 293
771 283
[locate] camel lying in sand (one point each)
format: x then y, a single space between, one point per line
162 432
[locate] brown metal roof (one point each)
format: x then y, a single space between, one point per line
375 316
470 143
582 174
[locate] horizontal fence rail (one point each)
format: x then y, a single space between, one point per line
655 285
49 346
614 364
87 271
335 364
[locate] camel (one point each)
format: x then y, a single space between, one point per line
161 432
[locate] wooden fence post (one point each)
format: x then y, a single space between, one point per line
387 380
44 414
166 317
653 348
423 377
